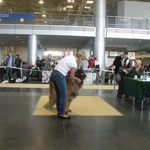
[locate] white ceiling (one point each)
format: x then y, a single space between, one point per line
74 42
45 41
129 44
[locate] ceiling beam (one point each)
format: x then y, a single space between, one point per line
83 2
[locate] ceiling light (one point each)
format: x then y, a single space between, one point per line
41 1
70 6
17 37
1 1
90 2
70 1
44 15
87 7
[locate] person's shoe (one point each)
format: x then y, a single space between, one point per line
64 117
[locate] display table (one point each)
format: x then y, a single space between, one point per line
46 76
136 88
90 78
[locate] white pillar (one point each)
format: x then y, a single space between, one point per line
99 42
32 50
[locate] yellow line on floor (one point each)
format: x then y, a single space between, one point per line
82 106
102 87
17 85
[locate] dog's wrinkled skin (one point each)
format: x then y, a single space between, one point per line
73 89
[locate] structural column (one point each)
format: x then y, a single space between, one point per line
99 41
32 49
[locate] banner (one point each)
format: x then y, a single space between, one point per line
17 16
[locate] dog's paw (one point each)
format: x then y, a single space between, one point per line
69 110
47 105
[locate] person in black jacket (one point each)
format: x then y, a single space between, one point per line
18 64
38 63
120 63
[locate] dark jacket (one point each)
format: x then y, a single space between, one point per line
18 62
117 63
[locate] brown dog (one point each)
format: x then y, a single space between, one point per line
73 89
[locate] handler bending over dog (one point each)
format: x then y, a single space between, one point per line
68 63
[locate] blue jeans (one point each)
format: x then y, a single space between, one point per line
8 73
61 91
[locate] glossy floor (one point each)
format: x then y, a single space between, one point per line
20 130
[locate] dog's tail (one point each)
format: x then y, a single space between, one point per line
52 95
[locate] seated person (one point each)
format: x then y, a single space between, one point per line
135 70
148 68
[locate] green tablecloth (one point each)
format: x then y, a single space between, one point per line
136 88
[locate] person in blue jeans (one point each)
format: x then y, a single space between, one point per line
10 62
68 63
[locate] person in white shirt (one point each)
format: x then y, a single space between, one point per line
68 63
97 64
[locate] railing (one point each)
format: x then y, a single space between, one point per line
85 20
57 19
126 22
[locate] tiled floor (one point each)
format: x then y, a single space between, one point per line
19 130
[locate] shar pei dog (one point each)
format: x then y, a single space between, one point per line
73 89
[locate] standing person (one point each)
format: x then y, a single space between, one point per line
91 62
47 62
38 63
120 63
97 64
18 63
68 63
97 67
85 65
42 63
10 62
1 70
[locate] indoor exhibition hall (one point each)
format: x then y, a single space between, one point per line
74 74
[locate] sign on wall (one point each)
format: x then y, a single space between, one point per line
131 55
17 16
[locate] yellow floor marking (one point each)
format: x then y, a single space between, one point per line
104 87
10 85
81 106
